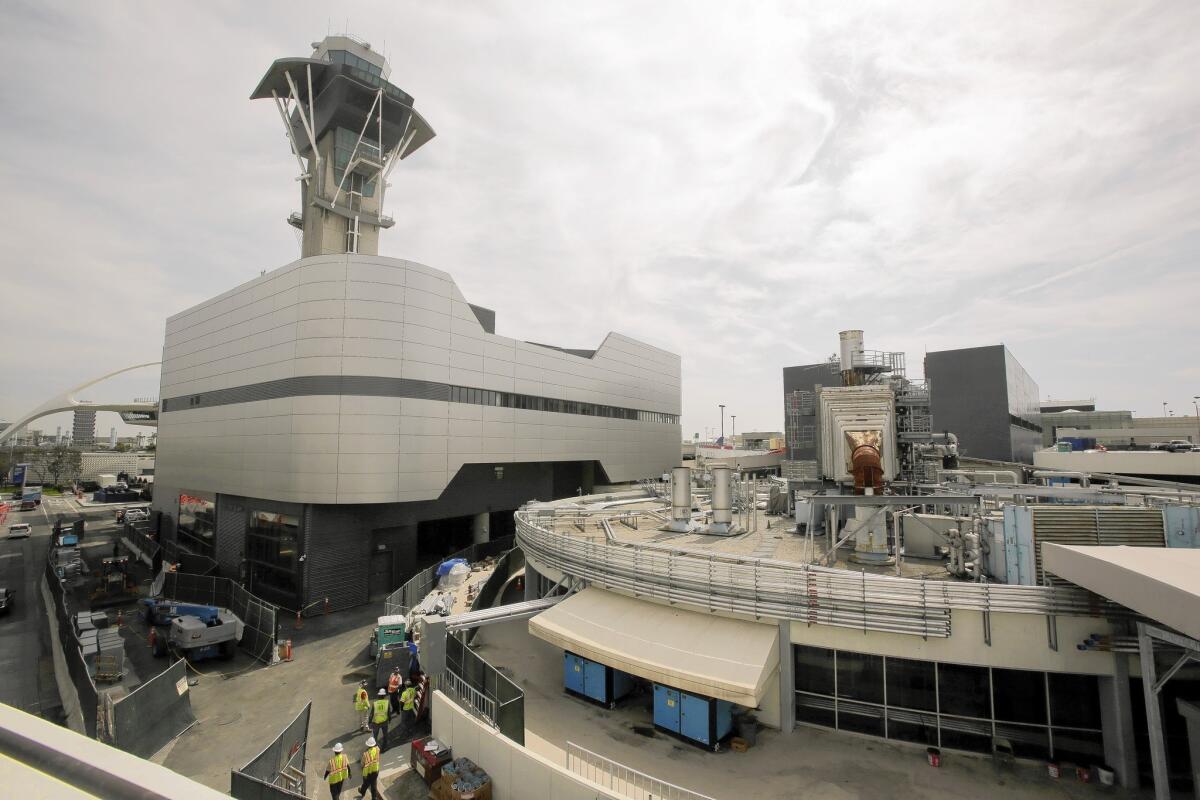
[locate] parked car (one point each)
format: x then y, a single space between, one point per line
20 530
1179 446
6 600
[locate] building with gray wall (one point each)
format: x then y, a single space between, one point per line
83 428
985 397
333 425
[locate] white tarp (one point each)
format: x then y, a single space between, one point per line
700 653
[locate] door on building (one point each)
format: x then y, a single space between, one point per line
380 583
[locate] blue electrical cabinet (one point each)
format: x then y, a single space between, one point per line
573 673
593 680
702 720
666 708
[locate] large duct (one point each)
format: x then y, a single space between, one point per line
722 500
681 499
852 342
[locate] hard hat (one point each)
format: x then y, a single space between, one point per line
370 741
362 683
382 691
337 748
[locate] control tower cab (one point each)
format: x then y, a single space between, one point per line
348 128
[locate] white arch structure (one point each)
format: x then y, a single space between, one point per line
67 402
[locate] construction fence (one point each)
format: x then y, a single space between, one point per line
259 618
136 538
277 773
148 718
415 588
484 689
77 668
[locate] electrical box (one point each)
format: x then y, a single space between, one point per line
594 681
667 708
698 719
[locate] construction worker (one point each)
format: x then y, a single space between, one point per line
370 770
379 718
362 704
414 663
393 687
337 772
408 701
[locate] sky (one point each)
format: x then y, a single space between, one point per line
732 182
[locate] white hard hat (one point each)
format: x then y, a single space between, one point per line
382 691
337 748
370 741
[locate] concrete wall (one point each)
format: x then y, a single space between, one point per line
1171 466
380 317
517 773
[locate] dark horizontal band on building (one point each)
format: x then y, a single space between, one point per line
410 388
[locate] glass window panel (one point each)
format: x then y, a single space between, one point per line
860 676
859 717
814 669
966 734
272 554
196 524
911 684
816 710
964 690
1020 695
1027 741
1082 747
911 726
1074 700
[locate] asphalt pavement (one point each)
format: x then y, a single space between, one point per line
26 667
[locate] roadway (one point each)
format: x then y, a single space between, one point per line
26 667
26 664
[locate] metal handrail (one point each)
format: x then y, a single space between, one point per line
468 696
787 590
624 780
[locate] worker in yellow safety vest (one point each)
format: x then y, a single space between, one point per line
337 772
379 719
408 702
370 770
362 704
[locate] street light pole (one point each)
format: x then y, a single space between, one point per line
1196 406
733 420
722 424
1164 408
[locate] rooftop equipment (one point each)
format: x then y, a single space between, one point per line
722 501
681 500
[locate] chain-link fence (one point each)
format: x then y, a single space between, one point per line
145 720
77 667
277 773
415 588
504 696
260 619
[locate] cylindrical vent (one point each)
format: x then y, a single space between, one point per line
722 496
681 493
852 342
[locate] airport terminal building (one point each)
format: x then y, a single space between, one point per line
331 425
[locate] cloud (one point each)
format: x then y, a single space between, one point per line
732 183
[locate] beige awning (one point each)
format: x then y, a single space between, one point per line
704 654
1162 583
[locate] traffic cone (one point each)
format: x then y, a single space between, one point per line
299 621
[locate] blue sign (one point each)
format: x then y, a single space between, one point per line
18 476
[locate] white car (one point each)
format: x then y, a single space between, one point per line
136 515
20 530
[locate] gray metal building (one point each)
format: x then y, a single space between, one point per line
986 397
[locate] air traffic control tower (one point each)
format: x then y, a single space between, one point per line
348 128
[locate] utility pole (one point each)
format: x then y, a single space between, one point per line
723 423
1164 408
733 420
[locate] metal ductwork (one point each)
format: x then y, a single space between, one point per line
722 500
681 499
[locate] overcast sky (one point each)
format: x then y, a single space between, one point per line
732 182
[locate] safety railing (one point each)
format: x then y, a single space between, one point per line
624 780
467 696
785 590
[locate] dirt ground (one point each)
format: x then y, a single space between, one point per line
242 706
